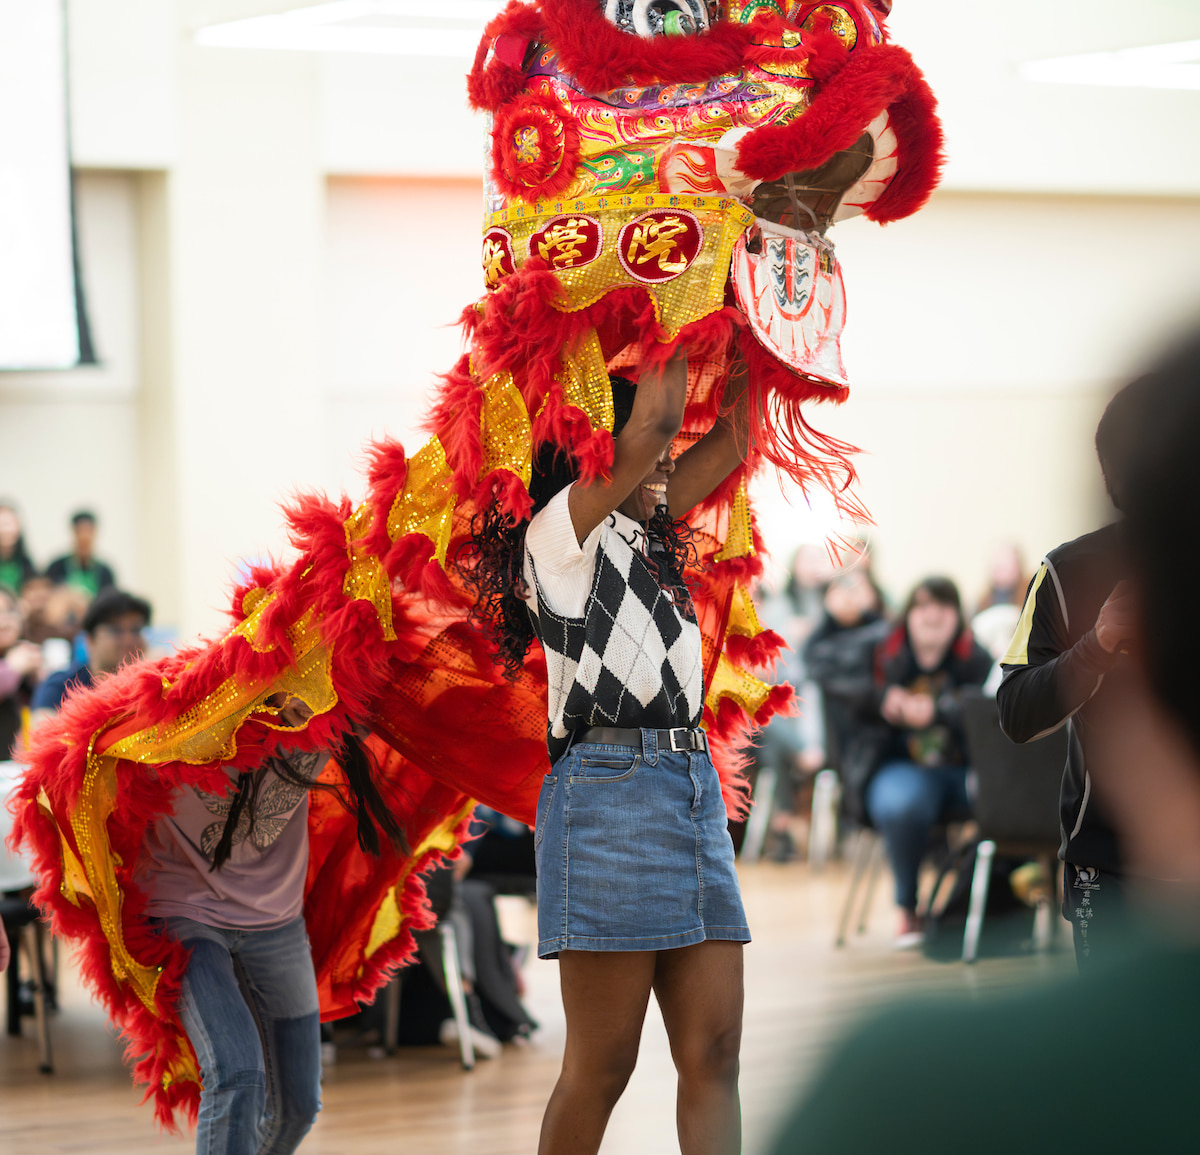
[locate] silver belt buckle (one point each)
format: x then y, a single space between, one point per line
680 749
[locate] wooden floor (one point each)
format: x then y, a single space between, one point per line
799 994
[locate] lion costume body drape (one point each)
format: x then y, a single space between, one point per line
654 181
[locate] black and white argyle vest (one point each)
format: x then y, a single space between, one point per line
633 660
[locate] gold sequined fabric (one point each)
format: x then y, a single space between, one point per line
684 285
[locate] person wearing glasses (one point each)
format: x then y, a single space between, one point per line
113 628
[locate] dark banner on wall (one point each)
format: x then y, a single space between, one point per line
42 319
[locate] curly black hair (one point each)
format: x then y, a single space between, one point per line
491 562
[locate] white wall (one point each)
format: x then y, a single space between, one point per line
401 263
67 440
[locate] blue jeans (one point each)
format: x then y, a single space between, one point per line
904 803
249 1006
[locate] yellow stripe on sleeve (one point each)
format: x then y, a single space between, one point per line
1018 649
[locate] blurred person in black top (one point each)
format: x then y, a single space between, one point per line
113 627
81 567
15 564
1074 624
20 668
840 653
905 765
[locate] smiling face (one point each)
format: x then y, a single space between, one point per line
932 624
651 492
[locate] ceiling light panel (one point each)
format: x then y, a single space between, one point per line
447 28
1173 66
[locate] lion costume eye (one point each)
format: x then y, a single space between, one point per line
650 18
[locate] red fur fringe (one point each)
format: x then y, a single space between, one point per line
555 169
509 33
869 81
918 131
601 57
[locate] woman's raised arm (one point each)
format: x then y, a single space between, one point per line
722 449
655 420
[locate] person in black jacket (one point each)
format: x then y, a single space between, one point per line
905 766
839 655
1076 619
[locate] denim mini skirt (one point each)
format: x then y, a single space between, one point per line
633 852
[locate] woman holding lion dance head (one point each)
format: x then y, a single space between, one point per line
636 883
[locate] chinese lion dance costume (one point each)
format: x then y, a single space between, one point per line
661 173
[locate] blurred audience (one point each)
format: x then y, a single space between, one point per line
1007 579
841 651
1120 1043
112 628
791 747
794 616
905 767
15 564
1076 619
52 613
464 893
20 668
81 568
503 854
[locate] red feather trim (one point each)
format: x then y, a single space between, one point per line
754 653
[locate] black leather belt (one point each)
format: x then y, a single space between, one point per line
682 738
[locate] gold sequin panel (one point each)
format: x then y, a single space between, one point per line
676 246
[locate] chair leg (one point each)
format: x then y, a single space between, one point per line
454 988
863 853
873 875
759 821
391 1015
980 881
1046 919
12 983
34 939
822 835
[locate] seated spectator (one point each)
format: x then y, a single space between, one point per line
503 855
1007 579
81 568
905 767
840 653
1106 1062
20 668
50 611
489 976
15 564
113 628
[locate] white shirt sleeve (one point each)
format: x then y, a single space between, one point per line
564 567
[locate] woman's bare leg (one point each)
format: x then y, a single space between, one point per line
699 989
605 996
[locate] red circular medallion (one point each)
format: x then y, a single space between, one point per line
498 259
568 241
660 245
